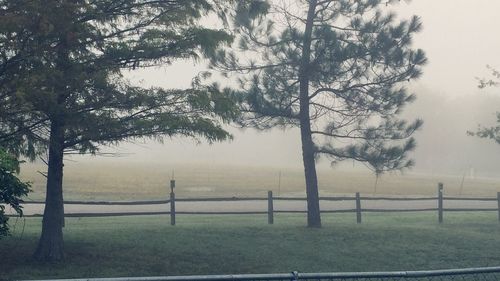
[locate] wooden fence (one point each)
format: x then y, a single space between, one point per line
271 211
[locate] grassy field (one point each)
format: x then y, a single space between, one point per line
148 246
122 181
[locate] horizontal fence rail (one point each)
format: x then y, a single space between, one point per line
470 198
271 209
482 273
97 215
221 199
399 198
105 203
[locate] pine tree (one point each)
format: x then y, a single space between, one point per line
494 131
337 70
62 87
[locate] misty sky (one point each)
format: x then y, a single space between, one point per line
460 37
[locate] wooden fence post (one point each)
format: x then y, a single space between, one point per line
172 202
270 208
358 208
498 202
440 202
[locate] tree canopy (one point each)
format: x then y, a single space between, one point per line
492 132
64 60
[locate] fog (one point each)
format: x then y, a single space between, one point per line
460 37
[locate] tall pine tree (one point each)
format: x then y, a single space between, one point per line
62 88
337 70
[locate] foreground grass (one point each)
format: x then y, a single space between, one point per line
149 246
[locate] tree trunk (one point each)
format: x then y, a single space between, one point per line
50 247
313 211
308 149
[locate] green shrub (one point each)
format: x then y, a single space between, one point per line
11 189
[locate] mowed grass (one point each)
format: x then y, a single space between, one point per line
149 246
135 181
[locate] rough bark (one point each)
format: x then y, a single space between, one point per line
50 246
308 149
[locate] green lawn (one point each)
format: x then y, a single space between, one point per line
149 246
